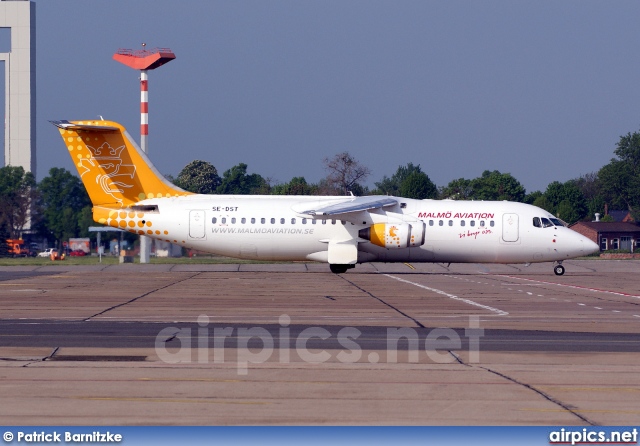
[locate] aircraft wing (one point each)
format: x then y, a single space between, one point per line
355 204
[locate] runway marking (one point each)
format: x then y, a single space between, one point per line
216 380
451 296
578 287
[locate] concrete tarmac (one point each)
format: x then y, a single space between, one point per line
294 344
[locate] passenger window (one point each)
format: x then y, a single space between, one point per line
263 220
282 221
233 220
430 222
450 222
324 222
472 222
214 220
273 221
313 221
333 222
223 220
293 221
344 222
492 223
481 223
546 223
440 223
304 221
253 221
536 222
243 221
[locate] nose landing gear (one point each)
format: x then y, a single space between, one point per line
558 269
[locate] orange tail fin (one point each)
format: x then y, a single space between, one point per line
114 170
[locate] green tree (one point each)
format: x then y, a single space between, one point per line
4 235
85 219
567 211
236 181
199 177
543 203
63 199
620 179
494 185
297 186
615 178
566 201
533 196
419 186
591 189
391 186
18 195
607 218
459 189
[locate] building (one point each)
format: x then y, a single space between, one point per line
610 235
20 83
622 216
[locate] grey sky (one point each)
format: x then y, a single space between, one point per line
540 89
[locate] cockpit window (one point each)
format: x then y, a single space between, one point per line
546 223
536 222
556 221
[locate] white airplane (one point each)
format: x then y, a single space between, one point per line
128 192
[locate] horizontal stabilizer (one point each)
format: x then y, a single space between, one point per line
66 125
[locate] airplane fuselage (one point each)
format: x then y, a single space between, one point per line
128 192
272 228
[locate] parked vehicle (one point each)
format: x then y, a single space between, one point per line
18 248
46 252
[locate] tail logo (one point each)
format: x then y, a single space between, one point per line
116 176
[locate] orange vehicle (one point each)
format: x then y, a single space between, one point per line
18 248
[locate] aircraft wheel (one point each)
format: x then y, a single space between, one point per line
337 268
559 270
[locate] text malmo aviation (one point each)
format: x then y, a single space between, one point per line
127 192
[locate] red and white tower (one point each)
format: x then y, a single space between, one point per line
144 60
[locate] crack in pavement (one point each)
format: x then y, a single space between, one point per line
140 297
527 386
415 321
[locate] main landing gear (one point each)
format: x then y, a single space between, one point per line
558 269
337 268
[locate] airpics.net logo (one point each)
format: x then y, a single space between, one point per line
589 436
285 343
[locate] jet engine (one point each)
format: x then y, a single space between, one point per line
395 235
